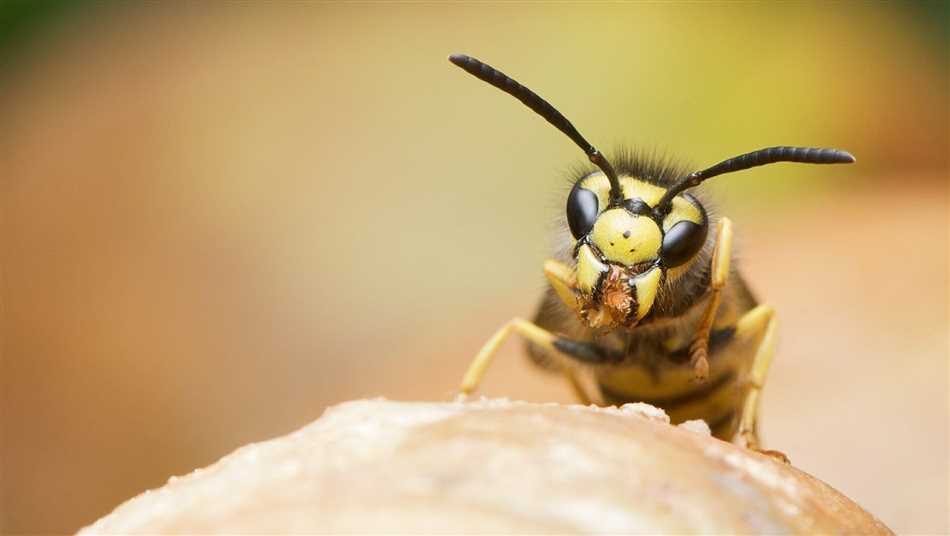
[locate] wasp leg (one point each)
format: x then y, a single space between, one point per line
479 366
579 350
577 387
699 348
759 323
562 280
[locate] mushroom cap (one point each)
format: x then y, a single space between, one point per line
493 466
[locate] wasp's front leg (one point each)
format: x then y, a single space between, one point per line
722 253
479 366
561 279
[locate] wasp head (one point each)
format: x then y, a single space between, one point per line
625 244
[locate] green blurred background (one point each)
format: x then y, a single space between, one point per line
217 220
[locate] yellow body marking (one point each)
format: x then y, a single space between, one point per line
643 384
646 285
626 238
589 269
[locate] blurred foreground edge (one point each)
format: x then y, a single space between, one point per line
492 466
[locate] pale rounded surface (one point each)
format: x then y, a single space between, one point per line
492 466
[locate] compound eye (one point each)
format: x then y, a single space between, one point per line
582 207
682 242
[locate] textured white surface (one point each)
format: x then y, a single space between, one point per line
491 466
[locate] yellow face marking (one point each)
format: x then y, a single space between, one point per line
634 188
626 238
589 269
598 183
646 285
650 193
682 210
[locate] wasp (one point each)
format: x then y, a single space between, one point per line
643 298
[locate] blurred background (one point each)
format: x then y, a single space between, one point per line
215 221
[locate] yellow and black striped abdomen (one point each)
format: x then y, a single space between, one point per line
668 381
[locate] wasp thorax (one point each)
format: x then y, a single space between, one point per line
626 238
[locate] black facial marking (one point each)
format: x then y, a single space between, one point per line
682 242
634 300
582 207
598 286
638 206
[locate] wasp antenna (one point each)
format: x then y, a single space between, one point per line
529 98
770 155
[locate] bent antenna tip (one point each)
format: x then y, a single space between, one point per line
844 157
459 59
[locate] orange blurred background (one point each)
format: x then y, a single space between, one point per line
216 221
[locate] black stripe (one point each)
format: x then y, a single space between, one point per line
587 352
670 402
717 339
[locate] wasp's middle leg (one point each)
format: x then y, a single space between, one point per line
756 325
